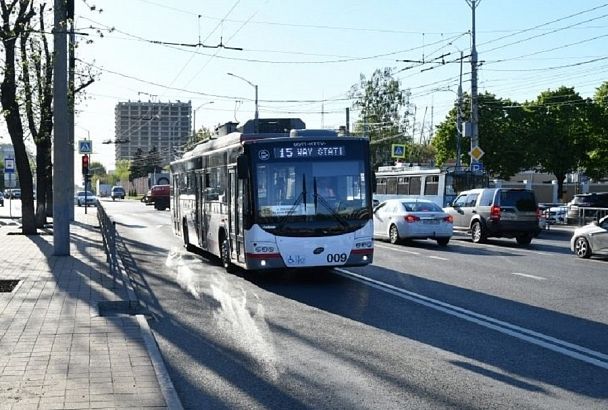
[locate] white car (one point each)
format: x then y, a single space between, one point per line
407 218
81 199
590 239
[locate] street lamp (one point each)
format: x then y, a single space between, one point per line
256 119
194 115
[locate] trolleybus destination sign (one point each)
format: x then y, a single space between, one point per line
310 152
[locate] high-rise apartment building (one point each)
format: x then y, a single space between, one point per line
166 126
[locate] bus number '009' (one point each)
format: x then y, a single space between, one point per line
336 257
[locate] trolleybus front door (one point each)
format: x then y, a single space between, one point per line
235 215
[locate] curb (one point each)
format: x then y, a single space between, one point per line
166 384
164 380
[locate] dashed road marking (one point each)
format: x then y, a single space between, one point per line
438 258
398 250
525 275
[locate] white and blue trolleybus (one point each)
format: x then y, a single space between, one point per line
276 199
440 185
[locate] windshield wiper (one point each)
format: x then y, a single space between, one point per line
327 205
300 198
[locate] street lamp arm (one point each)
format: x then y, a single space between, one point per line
244 79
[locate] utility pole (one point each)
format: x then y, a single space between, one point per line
61 146
474 103
459 116
72 102
347 121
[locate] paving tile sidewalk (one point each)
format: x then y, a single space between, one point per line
56 351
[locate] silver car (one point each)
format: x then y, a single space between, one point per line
590 239
398 219
81 198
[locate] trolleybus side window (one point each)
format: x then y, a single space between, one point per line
391 185
403 186
381 186
431 185
415 185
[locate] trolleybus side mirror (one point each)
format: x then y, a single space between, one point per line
242 169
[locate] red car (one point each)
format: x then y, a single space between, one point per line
158 196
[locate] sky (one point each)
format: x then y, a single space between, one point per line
305 56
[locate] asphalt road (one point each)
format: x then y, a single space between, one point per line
467 326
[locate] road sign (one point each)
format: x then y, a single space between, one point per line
476 153
85 147
398 150
478 166
9 165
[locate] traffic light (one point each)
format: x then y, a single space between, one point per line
85 164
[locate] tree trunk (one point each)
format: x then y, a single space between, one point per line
42 181
10 106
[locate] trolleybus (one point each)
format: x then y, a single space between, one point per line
273 200
440 185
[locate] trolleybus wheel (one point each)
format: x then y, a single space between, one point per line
225 251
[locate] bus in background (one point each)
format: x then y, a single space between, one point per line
440 185
276 199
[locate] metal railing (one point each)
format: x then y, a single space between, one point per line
108 234
588 214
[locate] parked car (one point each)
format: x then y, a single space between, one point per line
398 219
580 201
14 193
158 196
497 212
590 239
81 198
117 192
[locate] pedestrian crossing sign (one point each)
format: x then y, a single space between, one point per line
398 150
85 147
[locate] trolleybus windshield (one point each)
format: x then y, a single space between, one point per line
321 190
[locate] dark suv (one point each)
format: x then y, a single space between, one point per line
581 201
496 212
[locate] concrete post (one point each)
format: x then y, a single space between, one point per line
554 191
61 145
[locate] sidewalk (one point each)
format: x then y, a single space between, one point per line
56 351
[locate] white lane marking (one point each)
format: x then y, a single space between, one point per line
501 247
525 275
398 250
438 258
559 346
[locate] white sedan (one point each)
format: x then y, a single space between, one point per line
590 239
398 219
81 198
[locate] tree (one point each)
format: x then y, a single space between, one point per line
381 102
136 167
37 68
203 134
421 153
16 15
596 165
122 170
560 131
502 137
152 162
